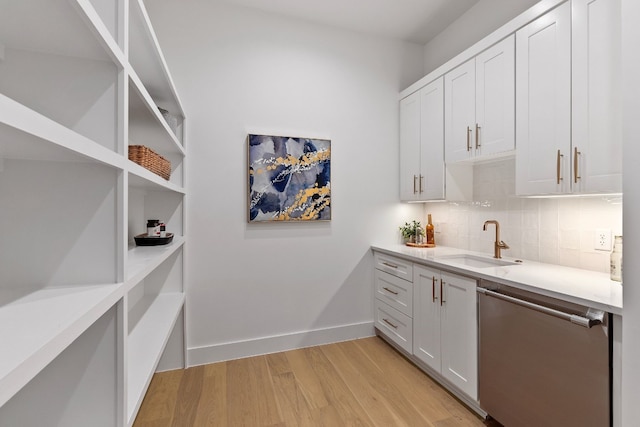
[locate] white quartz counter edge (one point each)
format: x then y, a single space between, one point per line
575 285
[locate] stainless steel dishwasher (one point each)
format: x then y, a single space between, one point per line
543 362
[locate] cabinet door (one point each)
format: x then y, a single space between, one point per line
459 116
495 99
431 186
426 316
596 125
543 104
409 147
459 331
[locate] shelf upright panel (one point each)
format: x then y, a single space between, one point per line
154 275
147 342
147 59
104 35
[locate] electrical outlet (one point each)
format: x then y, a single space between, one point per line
602 239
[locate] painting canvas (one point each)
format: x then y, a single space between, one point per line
289 178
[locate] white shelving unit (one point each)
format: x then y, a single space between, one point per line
85 315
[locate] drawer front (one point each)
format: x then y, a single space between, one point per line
392 265
395 325
394 291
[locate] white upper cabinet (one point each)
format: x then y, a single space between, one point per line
568 96
596 115
543 103
495 99
479 104
409 147
432 142
460 117
422 144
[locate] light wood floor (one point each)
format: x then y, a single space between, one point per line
355 383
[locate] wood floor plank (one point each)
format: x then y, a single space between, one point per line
159 403
372 395
250 393
291 401
188 397
419 388
390 384
338 394
161 422
310 382
327 417
241 394
429 398
212 407
278 363
267 407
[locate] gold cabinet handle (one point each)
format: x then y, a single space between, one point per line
468 138
442 301
558 159
414 184
433 289
477 136
390 324
576 153
420 183
390 291
389 264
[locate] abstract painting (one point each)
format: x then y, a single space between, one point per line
289 178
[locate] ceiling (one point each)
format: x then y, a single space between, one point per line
415 21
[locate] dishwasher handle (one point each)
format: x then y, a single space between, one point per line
596 317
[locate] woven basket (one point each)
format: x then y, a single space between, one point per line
149 159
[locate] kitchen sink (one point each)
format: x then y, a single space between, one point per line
476 261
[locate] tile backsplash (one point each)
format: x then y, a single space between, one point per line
557 230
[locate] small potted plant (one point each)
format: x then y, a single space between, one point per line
411 230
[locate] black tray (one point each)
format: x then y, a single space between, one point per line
145 240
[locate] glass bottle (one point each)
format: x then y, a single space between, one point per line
616 260
430 232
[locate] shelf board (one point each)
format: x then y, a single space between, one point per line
36 325
142 260
146 344
27 134
146 124
143 178
147 59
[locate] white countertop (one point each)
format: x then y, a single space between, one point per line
575 285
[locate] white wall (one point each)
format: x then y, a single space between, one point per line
555 231
631 272
239 71
480 20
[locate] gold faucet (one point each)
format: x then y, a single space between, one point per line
498 245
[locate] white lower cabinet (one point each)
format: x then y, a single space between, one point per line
432 316
394 325
393 302
445 326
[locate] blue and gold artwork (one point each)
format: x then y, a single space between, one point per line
289 178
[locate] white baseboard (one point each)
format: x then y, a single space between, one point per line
239 349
